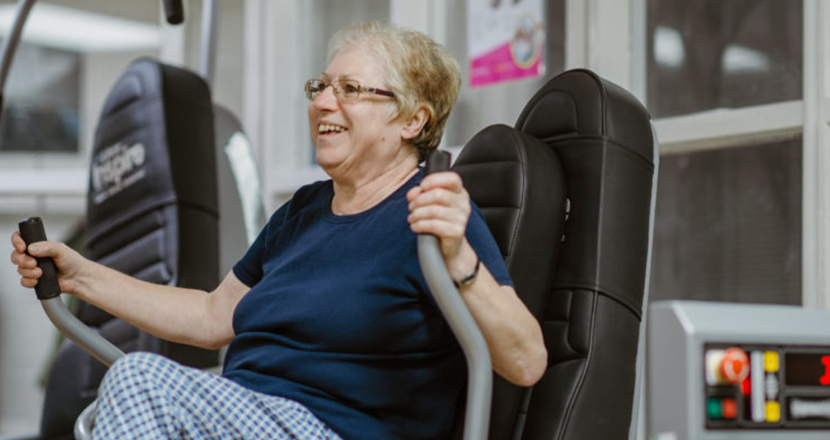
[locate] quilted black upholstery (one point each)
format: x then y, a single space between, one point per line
151 213
571 215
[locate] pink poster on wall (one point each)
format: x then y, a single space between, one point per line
505 40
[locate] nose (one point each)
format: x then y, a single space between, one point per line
326 99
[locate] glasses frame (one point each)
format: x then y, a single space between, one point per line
321 85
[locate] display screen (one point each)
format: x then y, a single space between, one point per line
810 369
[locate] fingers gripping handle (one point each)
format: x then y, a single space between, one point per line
437 161
32 231
48 292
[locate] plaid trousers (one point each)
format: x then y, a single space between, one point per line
146 396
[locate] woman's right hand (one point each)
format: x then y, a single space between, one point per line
67 261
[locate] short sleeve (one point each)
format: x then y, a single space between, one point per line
249 268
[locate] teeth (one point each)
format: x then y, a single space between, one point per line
325 128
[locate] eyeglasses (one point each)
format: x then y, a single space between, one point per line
345 89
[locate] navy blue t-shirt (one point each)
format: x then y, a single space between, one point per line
339 318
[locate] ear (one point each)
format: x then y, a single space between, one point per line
413 126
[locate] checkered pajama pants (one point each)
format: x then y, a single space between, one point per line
146 396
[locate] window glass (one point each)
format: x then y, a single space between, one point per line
708 54
70 52
42 101
500 103
728 225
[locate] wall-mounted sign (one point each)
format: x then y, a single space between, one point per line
505 40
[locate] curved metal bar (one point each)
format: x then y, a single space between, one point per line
11 42
85 421
79 333
479 367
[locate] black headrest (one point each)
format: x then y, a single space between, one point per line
151 107
603 136
152 183
580 103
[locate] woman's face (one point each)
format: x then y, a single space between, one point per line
354 136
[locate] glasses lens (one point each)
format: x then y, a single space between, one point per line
313 87
350 89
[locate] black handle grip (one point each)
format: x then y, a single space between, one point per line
32 231
438 160
174 11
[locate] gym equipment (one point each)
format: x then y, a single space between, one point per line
720 371
568 196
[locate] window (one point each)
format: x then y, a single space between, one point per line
42 101
712 54
723 80
729 225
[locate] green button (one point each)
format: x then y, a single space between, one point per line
713 408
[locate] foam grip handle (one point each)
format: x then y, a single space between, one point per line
32 231
438 160
174 11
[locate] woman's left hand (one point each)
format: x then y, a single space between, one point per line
441 206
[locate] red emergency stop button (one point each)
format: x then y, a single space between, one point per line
735 365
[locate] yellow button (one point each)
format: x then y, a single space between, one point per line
771 364
773 412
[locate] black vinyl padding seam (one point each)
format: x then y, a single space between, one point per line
156 205
583 372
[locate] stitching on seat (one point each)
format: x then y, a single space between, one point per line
523 185
584 371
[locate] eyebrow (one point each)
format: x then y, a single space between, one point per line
326 76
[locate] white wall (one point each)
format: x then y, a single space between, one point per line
26 336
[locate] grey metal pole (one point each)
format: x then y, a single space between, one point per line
461 322
11 42
479 368
210 25
79 333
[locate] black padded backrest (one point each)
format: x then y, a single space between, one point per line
604 138
525 211
151 213
585 283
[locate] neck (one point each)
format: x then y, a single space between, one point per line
358 195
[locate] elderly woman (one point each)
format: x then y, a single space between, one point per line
332 331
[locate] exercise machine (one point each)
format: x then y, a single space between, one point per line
721 371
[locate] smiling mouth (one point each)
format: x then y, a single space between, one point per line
330 129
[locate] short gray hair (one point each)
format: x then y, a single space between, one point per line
419 71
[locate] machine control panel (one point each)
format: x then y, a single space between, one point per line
766 386
719 371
